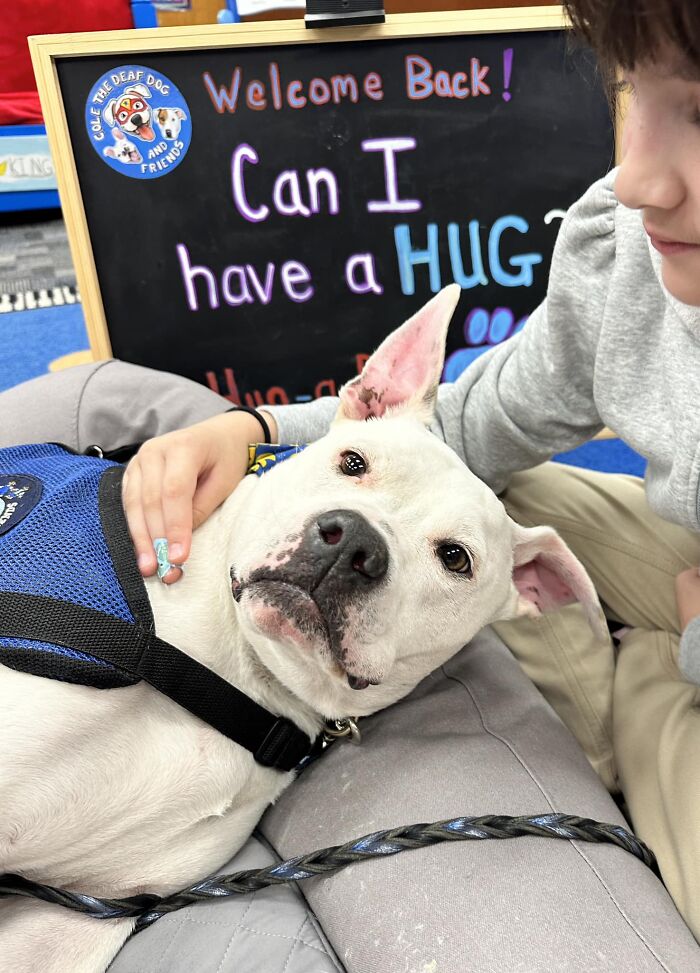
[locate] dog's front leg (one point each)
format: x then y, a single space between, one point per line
36 936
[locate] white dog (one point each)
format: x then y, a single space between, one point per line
130 112
356 568
123 150
170 121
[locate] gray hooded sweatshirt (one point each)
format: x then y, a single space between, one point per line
609 346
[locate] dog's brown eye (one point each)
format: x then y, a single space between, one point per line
352 464
455 558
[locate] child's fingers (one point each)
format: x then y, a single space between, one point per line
138 529
152 471
178 490
212 490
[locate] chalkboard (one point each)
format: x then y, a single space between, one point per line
312 192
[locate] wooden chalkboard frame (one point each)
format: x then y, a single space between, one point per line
48 50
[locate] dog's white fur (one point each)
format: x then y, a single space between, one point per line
123 150
116 792
170 121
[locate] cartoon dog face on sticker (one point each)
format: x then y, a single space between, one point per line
138 121
170 121
123 150
130 113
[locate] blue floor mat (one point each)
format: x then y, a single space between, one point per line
606 455
30 340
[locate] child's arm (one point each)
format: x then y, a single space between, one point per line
532 396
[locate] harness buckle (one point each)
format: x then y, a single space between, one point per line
342 729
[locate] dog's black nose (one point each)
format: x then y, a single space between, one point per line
137 120
345 545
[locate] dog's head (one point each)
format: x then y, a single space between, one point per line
130 113
170 121
123 150
370 558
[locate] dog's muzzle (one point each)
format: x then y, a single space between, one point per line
347 552
341 560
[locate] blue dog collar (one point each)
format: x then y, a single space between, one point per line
262 456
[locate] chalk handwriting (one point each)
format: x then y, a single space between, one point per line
242 283
422 81
409 256
389 147
554 214
293 94
274 395
361 274
289 192
276 92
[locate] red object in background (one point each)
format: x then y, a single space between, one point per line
19 19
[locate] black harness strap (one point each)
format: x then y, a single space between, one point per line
121 550
273 740
135 651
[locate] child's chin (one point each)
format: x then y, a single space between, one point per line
681 277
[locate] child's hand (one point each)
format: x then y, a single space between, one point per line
177 480
688 595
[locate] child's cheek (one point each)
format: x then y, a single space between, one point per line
630 126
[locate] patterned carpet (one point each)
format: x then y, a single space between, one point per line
41 318
34 255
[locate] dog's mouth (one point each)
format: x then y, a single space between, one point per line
134 156
286 611
145 132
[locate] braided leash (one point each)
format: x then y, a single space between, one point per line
148 908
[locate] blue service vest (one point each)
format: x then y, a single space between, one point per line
58 517
73 604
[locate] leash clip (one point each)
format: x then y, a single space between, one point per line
342 729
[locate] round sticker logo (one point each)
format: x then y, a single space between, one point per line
138 122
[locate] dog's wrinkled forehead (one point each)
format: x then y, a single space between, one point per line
395 461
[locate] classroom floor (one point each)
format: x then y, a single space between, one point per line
41 318
34 255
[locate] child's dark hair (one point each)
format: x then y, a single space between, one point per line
628 32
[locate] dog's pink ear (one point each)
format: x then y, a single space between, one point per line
118 134
109 151
547 576
405 370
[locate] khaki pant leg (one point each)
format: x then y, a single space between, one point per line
632 556
657 749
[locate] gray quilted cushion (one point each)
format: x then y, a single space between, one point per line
476 737
271 931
